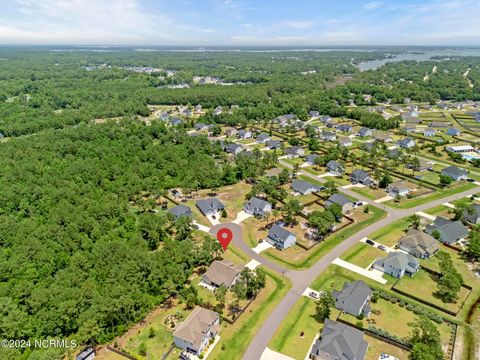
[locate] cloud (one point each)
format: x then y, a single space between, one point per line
292 24
372 5
248 26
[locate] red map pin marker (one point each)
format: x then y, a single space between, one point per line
224 236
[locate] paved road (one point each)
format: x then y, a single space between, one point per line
302 279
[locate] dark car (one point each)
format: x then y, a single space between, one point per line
381 247
470 180
370 242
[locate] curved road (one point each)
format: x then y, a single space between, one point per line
302 279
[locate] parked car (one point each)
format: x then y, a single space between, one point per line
370 242
195 226
470 180
381 247
313 294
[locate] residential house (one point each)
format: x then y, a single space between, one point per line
218 110
274 144
303 187
450 231
231 132
347 128
345 141
280 237
313 114
472 214
429 132
210 206
398 188
353 298
383 137
423 165
164 116
234 149
176 121
187 112
222 273
325 119
359 176
180 211
194 333
409 128
332 124
262 138
328 136
406 143
397 264
455 173
257 207
439 124
244 134
418 244
335 168
339 341
201 127
364 132
310 159
294 151
459 148
411 120
345 204
453 131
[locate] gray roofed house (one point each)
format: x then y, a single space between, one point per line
345 127
406 143
439 124
455 173
164 116
450 231
304 187
231 132
353 298
233 148
176 121
311 158
194 333
472 214
244 134
294 151
339 199
398 188
257 207
345 141
453 131
280 237
335 168
325 119
359 176
328 135
339 341
422 165
363 132
262 138
429 132
209 206
383 137
180 211
418 244
222 273
397 264
313 114
274 144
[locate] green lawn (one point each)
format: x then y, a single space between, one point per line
236 338
377 347
424 286
362 254
296 258
389 235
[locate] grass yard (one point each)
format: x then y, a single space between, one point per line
377 347
236 338
390 234
362 254
254 230
297 258
340 181
288 339
424 286
440 210
369 193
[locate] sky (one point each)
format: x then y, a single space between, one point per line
240 22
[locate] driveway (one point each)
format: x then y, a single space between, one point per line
269 354
264 245
425 215
201 227
241 216
212 220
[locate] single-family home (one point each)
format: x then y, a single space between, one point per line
383 137
472 214
176 121
280 237
397 264
439 124
294 151
345 141
429 132
230 132
303 187
222 273
344 128
274 144
450 231
418 244
164 116
359 176
210 206
233 148
313 114
345 203
458 149
257 207
453 131
398 188
244 134
353 298
194 333
200 127
218 110
262 138
180 211
325 119
406 143
310 159
409 128
455 173
339 341
328 135
363 132
335 168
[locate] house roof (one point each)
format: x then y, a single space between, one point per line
223 272
422 242
355 293
399 186
334 165
337 199
274 143
211 204
341 342
450 231
196 325
303 186
405 141
294 149
232 148
360 174
311 158
277 232
454 171
263 136
398 260
180 210
258 203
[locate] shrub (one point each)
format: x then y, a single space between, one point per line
360 324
